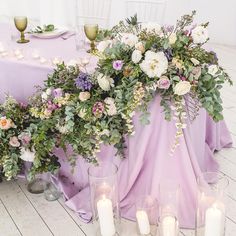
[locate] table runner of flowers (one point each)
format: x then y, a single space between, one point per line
136 63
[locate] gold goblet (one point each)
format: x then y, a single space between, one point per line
91 31
21 24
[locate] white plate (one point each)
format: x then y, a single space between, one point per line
50 35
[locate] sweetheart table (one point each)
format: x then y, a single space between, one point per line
147 161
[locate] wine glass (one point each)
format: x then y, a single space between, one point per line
21 24
91 31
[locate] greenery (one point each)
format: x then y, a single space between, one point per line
136 63
43 29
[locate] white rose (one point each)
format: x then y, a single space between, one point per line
129 39
213 69
49 91
103 45
105 132
155 64
44 96
72 63
139 46
199 34
27 155
136 56
182 88
172 38
111 107
152 27
105 82
83 96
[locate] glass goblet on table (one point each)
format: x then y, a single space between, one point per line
21 23
91 31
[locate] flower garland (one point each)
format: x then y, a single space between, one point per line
136 62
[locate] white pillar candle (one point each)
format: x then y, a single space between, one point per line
169 226
143 222
213 222
105 215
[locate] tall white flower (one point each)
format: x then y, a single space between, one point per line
152 27
110 106
105 82
213 69
136 56
129 39
27 155
155 64
182 88
103 45
199 34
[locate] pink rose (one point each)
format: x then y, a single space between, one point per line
98 109
163 82
14 142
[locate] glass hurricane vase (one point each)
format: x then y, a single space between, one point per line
104 199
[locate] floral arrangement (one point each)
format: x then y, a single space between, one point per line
136 62
21 141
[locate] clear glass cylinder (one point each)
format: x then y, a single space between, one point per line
105 199
146 215
169 208
211 204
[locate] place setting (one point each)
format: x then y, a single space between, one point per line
116 123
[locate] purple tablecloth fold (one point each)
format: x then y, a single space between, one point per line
148 163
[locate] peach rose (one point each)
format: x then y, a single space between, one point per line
6 123
14 142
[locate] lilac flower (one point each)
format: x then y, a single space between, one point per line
98 109
57 92
83 82
117 65
169 28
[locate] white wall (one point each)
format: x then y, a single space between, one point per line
221 14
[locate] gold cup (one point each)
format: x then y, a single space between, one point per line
91 32
21 24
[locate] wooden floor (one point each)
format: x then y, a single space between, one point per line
22 213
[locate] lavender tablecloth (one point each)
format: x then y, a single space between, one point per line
147 160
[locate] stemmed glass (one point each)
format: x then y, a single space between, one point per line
91 31
21 24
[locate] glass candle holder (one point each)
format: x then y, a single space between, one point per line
146 215
211 204
169 208
104 199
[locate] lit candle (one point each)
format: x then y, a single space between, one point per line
42 60
35 54
213 221
2 49
143 222
105 215
17 52
19 56
169 226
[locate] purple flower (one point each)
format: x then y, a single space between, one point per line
169 54
25 138
117 65
169 28
57 92
98 109
163 82
51 106
83 82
